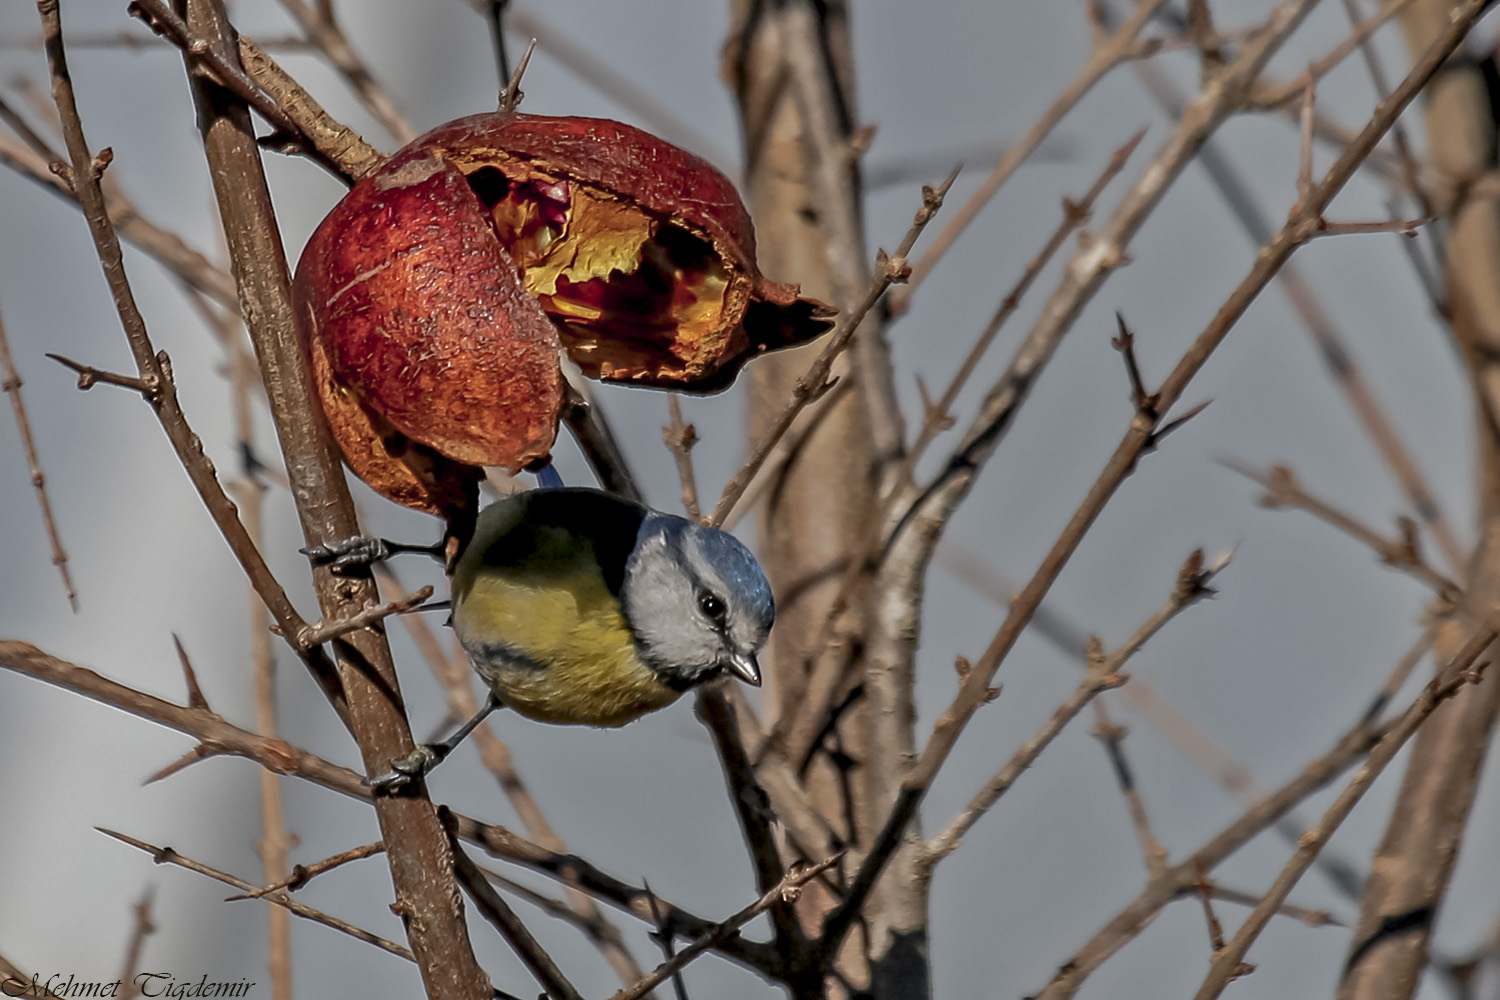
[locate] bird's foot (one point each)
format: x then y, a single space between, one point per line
406 770
409 769
346 555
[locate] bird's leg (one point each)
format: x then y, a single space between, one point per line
427 756
349 554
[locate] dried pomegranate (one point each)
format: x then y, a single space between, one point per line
435 296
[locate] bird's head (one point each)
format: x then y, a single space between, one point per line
697 602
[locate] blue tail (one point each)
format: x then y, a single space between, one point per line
548 479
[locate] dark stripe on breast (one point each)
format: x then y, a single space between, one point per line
505 654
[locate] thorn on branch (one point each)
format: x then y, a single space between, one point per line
302 874
1307 119
200 752
1173 425
511 94
194 692
159 855
1215 929
1145 402
933 414
1404 227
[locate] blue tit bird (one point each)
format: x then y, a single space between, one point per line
579 607
584 608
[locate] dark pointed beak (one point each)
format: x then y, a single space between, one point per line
744 666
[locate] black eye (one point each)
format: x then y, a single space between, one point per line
711 606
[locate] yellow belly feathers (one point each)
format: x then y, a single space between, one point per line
543 628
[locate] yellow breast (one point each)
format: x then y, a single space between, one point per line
545 631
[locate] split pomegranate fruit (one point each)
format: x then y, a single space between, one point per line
434 299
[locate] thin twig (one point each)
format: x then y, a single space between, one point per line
10 383
784 891
454 674
596 439
589 920
162 20
1111 735
1141 433
1398 675
89 376
142 928
155 380
1283 489
1215 929
1403 227
680 438
1462 671
794 731
303 874
494 12
1105 54
417 851
772 475
1270 96
499 913
1190 740
221 737
750 802
1103 674
323 31
320 632
1302 294
663 937
622 88
1310 917
167 856
356 158
1410 170
1305 161
889 269
276 842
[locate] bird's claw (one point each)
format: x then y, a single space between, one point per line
406 770
347 554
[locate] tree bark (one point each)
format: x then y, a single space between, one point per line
790 66
1411 869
